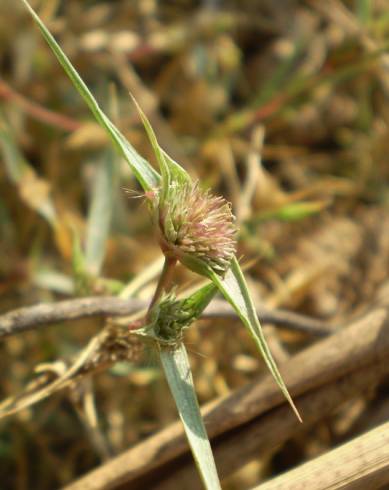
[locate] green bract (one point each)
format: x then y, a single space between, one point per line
170 316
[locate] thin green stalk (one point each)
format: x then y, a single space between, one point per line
164 281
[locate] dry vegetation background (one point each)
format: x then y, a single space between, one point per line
283 108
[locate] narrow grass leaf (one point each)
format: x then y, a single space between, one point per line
178 173
144 172
177 370
234 288
78 259
363 10
15 165
171 171
53 280
293 211
33 190
280 76
100 212
164 168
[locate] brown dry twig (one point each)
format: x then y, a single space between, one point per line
264 434
31 317
109 346
37 111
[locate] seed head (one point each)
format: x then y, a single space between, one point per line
197 228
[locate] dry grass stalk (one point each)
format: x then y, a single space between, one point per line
361 463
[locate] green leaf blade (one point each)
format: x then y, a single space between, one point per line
177 370
235 290
144 172
164 168
100 212
171 171
22 174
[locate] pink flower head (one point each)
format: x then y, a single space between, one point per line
197 228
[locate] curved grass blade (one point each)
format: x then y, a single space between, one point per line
177 370
144 172
235 290
164 168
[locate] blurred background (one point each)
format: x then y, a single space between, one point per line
282 107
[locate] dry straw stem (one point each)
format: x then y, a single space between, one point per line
32 317
360 464
255 417
263 434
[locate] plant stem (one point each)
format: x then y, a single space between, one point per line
164 281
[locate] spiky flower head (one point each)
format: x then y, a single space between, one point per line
168 318
196 227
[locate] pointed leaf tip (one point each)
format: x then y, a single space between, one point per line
235 290
147 176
